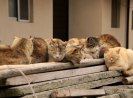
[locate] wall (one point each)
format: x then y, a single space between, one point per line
41 26
119 33
130 26
93 17
85 18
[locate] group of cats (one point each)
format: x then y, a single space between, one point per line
38 50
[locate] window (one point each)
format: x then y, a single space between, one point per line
20 9
115 14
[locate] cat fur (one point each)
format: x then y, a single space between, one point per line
119 58
107 41
78 49
18 53
40 51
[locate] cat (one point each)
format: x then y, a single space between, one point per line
79 49
73 50
56 50
119 58
18 53
40 51
107 41
92 47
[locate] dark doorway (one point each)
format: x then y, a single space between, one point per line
60 19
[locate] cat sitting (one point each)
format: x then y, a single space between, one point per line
18 53
119 58
56 50
40 51
79 49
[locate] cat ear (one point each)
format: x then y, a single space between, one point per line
31 38
15 37
118 50
65 43
48 40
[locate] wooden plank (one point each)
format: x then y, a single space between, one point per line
76 93
121 93
114 89
33 78
41 87
110 96
46 94
44 67
126 94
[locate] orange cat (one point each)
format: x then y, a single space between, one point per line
119 58
19 52
40 51
107 41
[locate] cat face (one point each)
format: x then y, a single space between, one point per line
92 47
111 56
94 52
74 55
56 49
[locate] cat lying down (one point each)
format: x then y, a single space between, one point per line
18 53
119 58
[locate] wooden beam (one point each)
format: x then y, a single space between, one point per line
110 96
77 93
34 78
126 94
115 89
43 67
57 84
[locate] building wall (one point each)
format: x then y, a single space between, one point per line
130 25
119 33
93 17
42 25
85 18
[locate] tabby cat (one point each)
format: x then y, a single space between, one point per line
92 47
79 49
18 53
107 41
119 58
56 50
40 51
74 50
